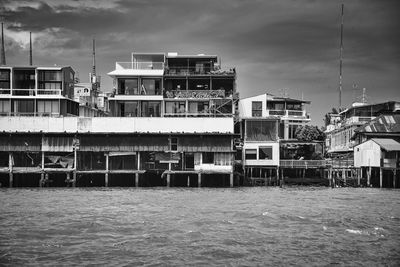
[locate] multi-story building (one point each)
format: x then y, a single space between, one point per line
339 134
37 91
266 121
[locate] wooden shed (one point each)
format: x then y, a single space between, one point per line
377 152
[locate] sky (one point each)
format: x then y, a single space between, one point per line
281 47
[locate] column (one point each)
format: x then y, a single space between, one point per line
106 174
10 169
41 181
280 181
380 177
359 177
344 174
231 180
330 178
168 180
75 166
188 181
277 174
68 179
199 179
137 179
394 177
369 177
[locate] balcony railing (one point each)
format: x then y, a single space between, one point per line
184 71
139 66
287 113
358 120
198 94
30 92
302 163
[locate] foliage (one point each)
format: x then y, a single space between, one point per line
309 133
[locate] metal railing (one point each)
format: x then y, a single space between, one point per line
286 112
139 65
30 92
302 163
198 94
185 70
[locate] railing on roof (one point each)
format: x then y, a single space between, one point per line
199 70
139 65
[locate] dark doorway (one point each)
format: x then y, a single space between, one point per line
189 161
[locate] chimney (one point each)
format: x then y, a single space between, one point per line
3 53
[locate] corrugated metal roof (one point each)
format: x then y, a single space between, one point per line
387 144
382 124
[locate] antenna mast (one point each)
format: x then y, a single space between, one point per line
341 60
30 48
3 53
94 58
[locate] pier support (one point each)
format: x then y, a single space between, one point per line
344 174
106 174
359 176
380 177
369 176
394 178
74 178
10 168
168 180
136 179
231 180
281 180
199 179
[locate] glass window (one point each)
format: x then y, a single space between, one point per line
5 106
261 130
23 106
151 87
175 107
250 154
265 152
173 144
5 80
128 87
130 109
198 107
256 108
151 108
208 157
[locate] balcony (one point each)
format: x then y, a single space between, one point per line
31 92
357 120
302 163
195 94
185 71
139 66
287 113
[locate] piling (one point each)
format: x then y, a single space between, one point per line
10 168
136 179
380 177
168 180
394 178
231 180
369 177
359 177
107 172
199 180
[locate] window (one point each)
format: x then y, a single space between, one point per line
173 144
261 130
4 106
23 106
208 157
199 84
175 107
128 87
50 79
48 107
198 107
250 154
292 131
150 87
265 152
151 109
256 108
130 109
5 81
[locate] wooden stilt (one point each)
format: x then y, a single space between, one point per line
333 179
280 181
231 180
68 179
74 178
344 177
277 175
359 177
136 179
394 177
168 180
330 178
199 179
10 169
106 174
188 181
41 181
369 176
380 177
75 166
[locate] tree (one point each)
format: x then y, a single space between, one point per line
309 133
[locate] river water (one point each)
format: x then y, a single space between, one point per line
178 226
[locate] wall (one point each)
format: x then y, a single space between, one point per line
255 145
367 154
245 106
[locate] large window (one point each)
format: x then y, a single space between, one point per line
175 84
256 108
50 79
208 157
23 107
250 154
199 107
151 109
292 131
265 152
48 107
4 107
261 130
23 79
128 87
5 81
129 109
150 87
173 144
174 107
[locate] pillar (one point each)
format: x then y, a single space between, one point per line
231 180
359 175
333 179
380 177
106 174
188 181
74 178
281 180
199 179
394 177
277 174
68 180
369 177
41 181
75 166
344 174
10 169
168 180
330 178
137 179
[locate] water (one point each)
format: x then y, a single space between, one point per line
159 226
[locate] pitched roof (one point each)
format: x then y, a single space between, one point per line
383 124
387 144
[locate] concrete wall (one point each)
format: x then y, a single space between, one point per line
245 106
115 125
257 162
367 154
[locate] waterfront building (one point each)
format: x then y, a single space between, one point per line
267 122
171 123
339 135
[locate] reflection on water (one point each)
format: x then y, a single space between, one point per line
161 226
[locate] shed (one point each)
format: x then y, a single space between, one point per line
377 152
